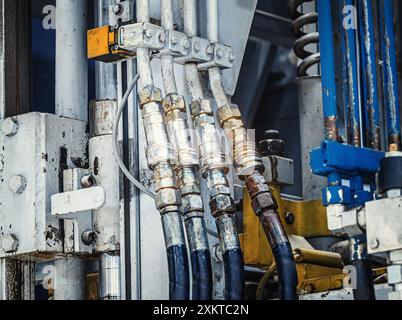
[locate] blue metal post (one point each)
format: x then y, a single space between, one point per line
328 68
350 76
369 75
390 73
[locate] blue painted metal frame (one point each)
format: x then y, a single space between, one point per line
390 74
325 29
369 74
350 75
345 160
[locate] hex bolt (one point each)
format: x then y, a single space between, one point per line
219 53
9 243
9 127
374 243
290 218
87 181
17 184
117 9
185 44
149 33
88 237
162 37
197 46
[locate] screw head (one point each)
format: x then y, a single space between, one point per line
197 46
219 53
88 237
117 9
149 33
290 218
17 184
374 244
162 37
185 44
9 127
9 243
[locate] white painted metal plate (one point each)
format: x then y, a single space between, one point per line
78 201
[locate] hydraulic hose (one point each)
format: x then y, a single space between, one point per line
186 169
214 170
364 282
161 159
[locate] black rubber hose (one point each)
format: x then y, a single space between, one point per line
364 280
178 273
234 274
283 255
202 275
287 273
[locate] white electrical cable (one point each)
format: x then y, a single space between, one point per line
123 168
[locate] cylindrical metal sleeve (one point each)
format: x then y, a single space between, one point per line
232 257
106 172
109 277
71 59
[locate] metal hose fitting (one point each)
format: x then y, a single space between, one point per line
222 206
249 167
161 159
192 207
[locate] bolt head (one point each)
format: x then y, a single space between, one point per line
231 56
9 127
185 44
210 50
17 184
9 243
149 33
219 53
374 244
117 9
197 46
162 37
173 40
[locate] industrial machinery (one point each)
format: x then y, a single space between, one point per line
143 177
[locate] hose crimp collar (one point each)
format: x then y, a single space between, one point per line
262 199
173 102
148 95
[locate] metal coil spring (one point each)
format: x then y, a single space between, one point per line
304 39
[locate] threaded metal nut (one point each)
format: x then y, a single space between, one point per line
227 113
174 102
150 94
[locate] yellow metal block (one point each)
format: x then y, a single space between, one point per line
313 278
101 42
310 220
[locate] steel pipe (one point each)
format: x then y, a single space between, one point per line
71 59
390 73
330 107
